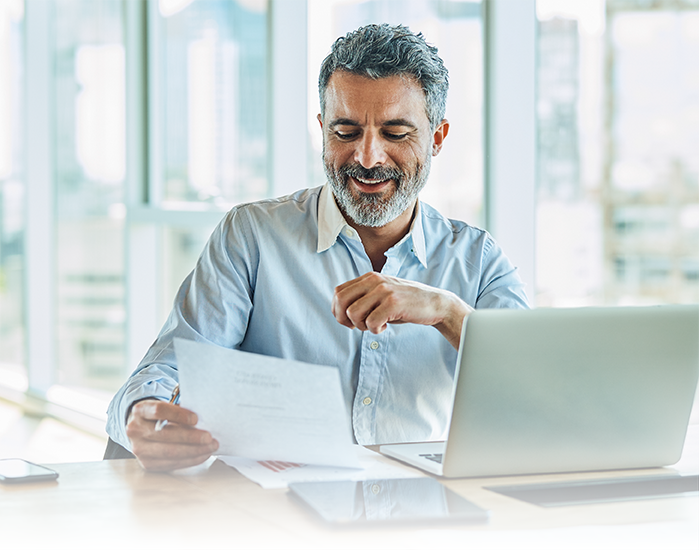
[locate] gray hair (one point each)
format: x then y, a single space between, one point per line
380 51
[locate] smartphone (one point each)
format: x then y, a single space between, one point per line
386 501
17 470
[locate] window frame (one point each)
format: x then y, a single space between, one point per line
509 167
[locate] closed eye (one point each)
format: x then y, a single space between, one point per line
395 137
346 136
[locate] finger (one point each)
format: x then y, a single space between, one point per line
381 305
142 429
175 433
344 295
385 312
345 307
160 410
361 308
153 452
395 302
339 311
356 280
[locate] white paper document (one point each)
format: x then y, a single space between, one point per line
265 408
275 474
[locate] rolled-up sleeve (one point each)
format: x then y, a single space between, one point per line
212 305
501 285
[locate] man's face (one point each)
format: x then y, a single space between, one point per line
377 145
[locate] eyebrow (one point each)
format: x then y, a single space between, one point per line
400 122
392 122
344 122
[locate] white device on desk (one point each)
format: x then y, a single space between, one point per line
564 390
17 470
408 501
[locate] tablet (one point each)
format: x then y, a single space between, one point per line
386 501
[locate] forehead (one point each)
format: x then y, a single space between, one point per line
359 98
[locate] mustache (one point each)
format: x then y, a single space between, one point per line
375 173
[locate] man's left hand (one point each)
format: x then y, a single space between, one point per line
372 301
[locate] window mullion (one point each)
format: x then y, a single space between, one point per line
288 96
510 144
142 236
40 247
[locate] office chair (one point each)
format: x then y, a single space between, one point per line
114 450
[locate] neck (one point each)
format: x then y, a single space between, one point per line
377 240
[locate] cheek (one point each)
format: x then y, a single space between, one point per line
407 158
419 154
336 154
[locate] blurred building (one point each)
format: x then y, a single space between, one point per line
650 188
624 230
558 83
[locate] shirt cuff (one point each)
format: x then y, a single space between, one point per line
155 381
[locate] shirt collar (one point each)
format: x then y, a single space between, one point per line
418 235
330 219
331 222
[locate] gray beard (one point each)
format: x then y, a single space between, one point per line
373 210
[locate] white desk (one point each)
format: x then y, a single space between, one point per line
115 504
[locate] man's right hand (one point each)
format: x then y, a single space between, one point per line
178 445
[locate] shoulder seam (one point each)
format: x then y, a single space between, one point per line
292 197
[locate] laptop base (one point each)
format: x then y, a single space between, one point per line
420 455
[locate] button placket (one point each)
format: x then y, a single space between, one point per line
371 374
377 501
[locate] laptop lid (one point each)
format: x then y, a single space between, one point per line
559 390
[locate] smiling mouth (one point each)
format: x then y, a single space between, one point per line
370 185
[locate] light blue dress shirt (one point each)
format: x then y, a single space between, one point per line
264 284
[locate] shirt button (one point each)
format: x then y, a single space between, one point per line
374 345
367 401
349 232
375 489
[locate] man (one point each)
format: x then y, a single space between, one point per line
293 277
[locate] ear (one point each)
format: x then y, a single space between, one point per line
320 121
439 135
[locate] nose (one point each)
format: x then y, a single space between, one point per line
370 151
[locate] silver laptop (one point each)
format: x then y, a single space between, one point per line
563 390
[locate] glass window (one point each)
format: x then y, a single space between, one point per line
89 67
208 92
212 70
455 187
181 247
618 119
12 336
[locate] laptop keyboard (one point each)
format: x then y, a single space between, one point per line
435 457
